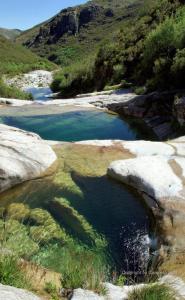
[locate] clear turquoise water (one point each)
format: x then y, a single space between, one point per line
78 126
110 208
40 93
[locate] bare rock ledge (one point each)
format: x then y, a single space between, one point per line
23 156
11 293
157 171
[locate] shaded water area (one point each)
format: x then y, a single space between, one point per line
113 211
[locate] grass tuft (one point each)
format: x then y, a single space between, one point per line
152 292
10 272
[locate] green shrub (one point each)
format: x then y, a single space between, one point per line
118 73
178 68
160 41
16 59
13 92
140 90
163 61
121 280
74 79
152 292
51 289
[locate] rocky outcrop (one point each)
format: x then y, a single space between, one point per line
99 100
112 292
11 293
23 156
155 108
179 110
157 171
14 102
69 22
34 79
122 293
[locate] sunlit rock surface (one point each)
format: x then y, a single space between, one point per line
23 156
34 79
157 171
122 293
11 293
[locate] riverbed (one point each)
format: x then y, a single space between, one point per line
115 212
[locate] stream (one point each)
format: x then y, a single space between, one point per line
115 212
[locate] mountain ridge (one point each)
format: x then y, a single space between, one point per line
10 34
79 30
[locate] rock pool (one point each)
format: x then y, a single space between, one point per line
111 210
80 195
76 125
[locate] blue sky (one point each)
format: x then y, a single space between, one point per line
23 14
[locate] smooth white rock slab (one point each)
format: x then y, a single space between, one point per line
101 143
88 101
15 102
179 148
149 174
113 293
11 293
23 156
120 293
80 294
146 148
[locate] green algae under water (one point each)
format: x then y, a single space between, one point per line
87 204
79 125
81 198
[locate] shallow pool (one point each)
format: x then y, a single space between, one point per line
113 210
78 126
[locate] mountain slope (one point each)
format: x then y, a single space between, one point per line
144 52
15 59
78 31
10 34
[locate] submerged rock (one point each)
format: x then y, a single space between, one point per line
23 156
11 293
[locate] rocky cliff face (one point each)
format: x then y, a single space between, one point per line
69 22
77 31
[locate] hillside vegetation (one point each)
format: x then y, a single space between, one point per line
104 43
15 59
78 32
148 52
